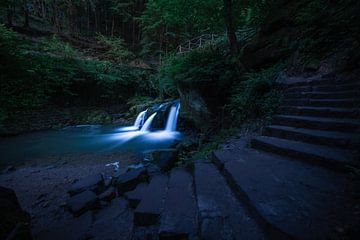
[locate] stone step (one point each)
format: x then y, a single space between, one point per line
325 88
150 207
343 103
323 95
135 196
329 138
325 82
328 157
321 111
221 215
179 217
331 124
297 199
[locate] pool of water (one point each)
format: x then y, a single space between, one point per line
81 139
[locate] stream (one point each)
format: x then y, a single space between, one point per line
82 139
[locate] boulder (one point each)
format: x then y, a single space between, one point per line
194 110
83 202
108 195
165 159
127 181
134 197
94 183
14 222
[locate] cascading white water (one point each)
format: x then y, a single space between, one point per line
147 125
172 118
140 119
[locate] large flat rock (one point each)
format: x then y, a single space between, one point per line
149 210
300 200
93 182
129 180
82 202
114 222
179 217
135 196
221 215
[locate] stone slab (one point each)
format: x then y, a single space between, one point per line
149 210
93 182
179 217
82 202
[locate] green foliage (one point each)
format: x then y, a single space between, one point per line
326 24
55 46
256 97
30 79
95 117
207 144
166 23
116 49
210 65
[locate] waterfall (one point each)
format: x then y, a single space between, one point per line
172 118
140 119
147 124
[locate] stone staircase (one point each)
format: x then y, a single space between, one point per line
316 124
293 177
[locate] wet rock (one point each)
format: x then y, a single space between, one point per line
9 169
129 180
135 166
134 197
107 182
165 159
14 222
83 202
113 222
94 183
108 195
153 170
195 107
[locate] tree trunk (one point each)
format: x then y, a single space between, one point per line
26 15
43 11
9 14
229 22
112 25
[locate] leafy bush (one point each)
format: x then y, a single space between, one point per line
32 80
211 67
256 97
56 46
116 48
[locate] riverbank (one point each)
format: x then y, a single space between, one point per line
31 120
41 185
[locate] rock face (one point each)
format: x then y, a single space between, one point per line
194 109
94 183
14 222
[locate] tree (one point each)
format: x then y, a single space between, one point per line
230 27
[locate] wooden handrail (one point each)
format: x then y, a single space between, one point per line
205 39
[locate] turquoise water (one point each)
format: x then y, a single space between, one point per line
81 139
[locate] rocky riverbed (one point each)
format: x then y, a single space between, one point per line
42 187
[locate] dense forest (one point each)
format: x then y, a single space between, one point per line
105 53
